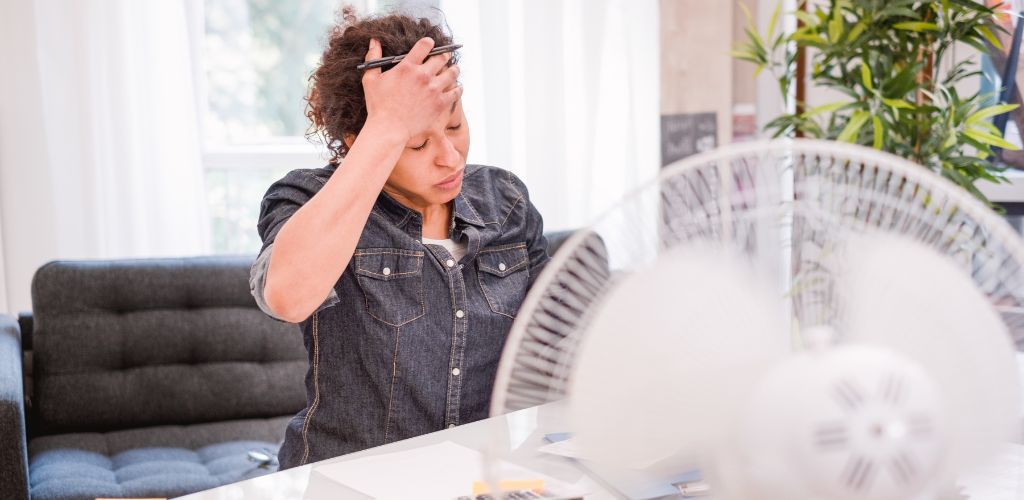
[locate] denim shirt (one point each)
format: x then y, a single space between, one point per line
408 341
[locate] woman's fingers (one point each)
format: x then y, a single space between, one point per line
374 52
435 64
451 95
414 93
418 52
448 77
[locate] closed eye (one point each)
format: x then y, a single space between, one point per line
425 141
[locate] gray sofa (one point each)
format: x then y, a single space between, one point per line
143 378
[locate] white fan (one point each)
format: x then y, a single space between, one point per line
800 319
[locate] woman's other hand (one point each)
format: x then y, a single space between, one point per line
410 96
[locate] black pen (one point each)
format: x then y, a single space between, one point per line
391 60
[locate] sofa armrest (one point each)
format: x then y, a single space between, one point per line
13 453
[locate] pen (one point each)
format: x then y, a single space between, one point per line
391 60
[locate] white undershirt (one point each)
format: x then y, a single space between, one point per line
458 250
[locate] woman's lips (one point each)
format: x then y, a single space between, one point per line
451 181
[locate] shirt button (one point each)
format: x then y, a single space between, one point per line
451 425
386 271
449 263
459 313
501 267
456 371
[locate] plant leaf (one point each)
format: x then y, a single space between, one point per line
950 141
987 127
976 44
984 113
809 38
835 26
865 76
987 33
857 30
991 140
826 108
879 131
756 42
746 13
897 103
774 19
916 26
849 133
807 18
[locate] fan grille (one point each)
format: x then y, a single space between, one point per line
785 205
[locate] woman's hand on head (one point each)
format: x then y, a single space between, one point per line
411 96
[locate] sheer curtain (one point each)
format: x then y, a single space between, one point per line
100 154
565 94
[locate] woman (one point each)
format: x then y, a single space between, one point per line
404 266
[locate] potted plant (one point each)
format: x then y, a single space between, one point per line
887 58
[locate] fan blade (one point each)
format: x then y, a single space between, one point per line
670 357
906 297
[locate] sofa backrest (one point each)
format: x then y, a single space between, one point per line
130 343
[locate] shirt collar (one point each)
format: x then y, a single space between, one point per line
465 212
399 214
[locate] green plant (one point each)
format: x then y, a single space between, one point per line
888 57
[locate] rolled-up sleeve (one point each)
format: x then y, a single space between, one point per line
281 201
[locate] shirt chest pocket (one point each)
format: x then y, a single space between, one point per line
392 284
504 275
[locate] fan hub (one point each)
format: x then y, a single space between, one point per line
854 422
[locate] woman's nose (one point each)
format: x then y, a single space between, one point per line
447 155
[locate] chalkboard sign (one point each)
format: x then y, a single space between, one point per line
684 135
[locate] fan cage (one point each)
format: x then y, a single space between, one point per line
784 204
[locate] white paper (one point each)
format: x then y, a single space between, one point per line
444 471
564 448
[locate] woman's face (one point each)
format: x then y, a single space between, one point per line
429 172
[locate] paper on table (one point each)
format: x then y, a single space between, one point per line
564 448
445 471
629 482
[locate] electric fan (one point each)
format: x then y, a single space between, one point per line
799 319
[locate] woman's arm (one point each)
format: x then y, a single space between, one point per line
316 244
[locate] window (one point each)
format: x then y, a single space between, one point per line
257 57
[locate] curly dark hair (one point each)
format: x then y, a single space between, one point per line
335 103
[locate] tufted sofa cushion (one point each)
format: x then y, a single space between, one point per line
158 341
154 462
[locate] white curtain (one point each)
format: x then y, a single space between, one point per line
565 94
100 154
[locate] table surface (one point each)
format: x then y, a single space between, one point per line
513 437
516 437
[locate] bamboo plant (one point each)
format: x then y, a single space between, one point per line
889 61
